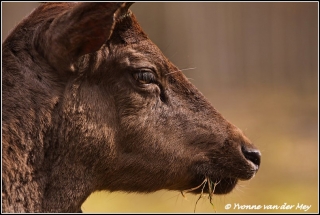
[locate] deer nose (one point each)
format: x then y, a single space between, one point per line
252 155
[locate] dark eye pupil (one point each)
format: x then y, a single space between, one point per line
144 77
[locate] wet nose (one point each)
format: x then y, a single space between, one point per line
252 155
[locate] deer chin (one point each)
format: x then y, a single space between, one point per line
217 186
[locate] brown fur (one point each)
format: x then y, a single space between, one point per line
90 103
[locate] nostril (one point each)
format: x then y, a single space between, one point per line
252 155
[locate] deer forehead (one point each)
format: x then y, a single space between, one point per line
135 59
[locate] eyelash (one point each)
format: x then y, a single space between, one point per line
144 77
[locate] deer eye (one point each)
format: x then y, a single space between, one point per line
144 76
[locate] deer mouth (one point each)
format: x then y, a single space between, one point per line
206 180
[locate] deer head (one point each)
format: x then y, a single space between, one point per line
90 103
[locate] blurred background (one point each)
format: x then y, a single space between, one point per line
257 63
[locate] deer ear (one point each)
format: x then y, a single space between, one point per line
79 31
